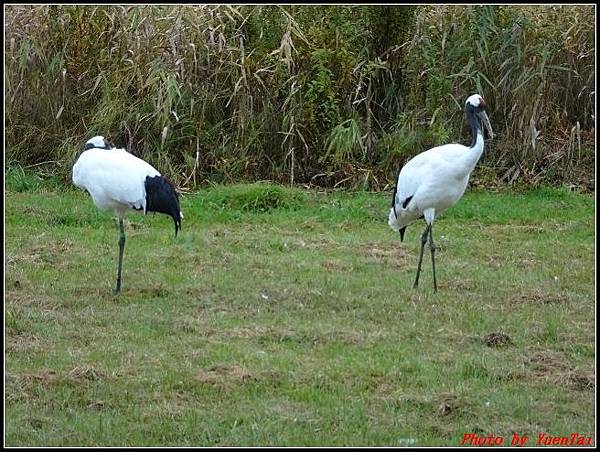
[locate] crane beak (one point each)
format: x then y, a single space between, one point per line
486 122
401 231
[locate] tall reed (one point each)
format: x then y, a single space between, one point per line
330 95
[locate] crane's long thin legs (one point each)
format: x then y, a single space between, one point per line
423 241
121 249
432 248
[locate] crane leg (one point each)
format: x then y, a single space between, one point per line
423 241
432 248
121 249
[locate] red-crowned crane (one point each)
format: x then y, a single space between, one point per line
119 181
436 179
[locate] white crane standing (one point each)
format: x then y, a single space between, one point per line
119 181
436 179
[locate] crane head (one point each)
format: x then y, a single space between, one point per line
475 100
98 142
477 103
393 223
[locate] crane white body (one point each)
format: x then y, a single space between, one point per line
114 178
436 179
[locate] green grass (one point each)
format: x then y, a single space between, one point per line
282 317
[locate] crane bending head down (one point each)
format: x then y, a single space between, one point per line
121 182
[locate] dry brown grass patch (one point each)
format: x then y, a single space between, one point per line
21 343
38 301
266 334
220 374
20 385
86 373
442 404
538 296
553 367
497 339
457 284
384 254
31 258
578 380
335 264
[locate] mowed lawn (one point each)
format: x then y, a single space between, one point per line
284 317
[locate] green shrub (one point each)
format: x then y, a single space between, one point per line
259 198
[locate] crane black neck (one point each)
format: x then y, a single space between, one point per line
473 122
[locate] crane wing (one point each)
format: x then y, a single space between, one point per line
408 182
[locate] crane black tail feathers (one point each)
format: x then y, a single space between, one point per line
161 197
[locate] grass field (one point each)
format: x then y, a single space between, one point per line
283 317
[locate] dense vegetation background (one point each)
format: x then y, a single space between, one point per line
328 95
